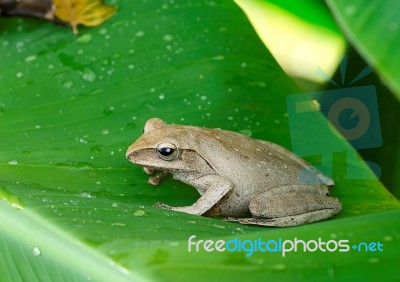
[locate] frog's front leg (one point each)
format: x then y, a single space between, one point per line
155 180
291 205
215 187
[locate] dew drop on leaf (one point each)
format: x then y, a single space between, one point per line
30 58
36 251
86 38
88 75
139 213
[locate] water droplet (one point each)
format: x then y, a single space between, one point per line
68 84
106 62
140 33
88 75
108 111
30 58
86 38
13 162
96 149
118 224
38 126
139 213
279 267
19 74
243 65
130 125
36 251
131 67
218 58
105 131
388 238
373 260
161 97
258 84
203 97
315 105
168 37
86 195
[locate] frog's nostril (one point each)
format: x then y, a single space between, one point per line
130 156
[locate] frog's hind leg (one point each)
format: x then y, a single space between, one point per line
290 206
282 221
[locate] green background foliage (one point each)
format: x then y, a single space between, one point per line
74 208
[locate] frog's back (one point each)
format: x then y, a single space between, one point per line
251 163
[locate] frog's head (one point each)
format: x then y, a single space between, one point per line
161 147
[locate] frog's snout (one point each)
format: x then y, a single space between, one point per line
131 156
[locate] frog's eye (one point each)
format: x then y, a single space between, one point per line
167 151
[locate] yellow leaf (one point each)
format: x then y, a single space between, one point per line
85 12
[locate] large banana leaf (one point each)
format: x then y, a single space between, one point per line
373 29
73 208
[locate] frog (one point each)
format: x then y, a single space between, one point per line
239 178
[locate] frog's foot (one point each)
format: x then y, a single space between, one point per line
283 221
155 180
162 205
186 209
148 170
252 221
217 188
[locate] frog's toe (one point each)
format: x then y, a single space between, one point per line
162 205
232 219
148 170
252 221
154 180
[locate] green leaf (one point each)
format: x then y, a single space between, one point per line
312 11
373 28
298 33
73 208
